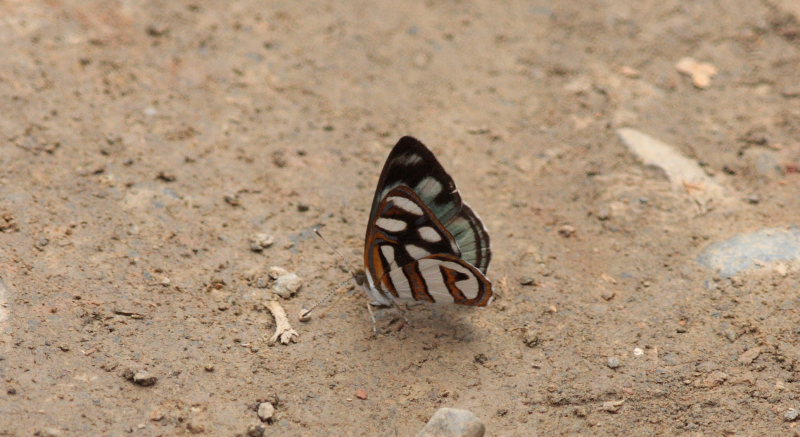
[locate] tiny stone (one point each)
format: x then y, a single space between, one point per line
603 213
305 315
527 280
791 415
612 406
749 356
361 394
638 351
566 231
286 285
613 362
607 295
232 199
265 411
531 338
754 199
302 207
166 176
731 335
453 422
143 378
261 241
165 282
156 415
209 367
256 430
11 391
64 348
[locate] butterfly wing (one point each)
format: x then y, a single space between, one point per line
417 212
441 278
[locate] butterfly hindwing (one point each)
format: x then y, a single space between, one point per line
404 230
441 278
420 230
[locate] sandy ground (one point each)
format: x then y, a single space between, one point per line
144 143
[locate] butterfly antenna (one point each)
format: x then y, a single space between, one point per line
306 312
350 270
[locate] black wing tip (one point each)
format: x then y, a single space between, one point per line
408 142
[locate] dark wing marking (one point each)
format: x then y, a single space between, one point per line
441 278
412 164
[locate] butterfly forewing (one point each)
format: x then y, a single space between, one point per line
419 230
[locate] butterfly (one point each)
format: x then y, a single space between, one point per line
423 242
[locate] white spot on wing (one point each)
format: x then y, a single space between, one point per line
429 269
388 253
416 252
391 225
429 234
401 284
406 205
409 159
436 287
429 187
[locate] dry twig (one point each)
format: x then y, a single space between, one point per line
283 330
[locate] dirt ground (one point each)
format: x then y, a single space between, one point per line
145 143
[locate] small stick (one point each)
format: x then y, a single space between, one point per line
283 330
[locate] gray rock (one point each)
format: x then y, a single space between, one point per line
613 362
452 422
791 415
256 430
142 377
265 411
763 163
286 284
747 251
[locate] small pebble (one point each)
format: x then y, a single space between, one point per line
266 411
142 378
566 231
531 338
361 394
613 362
612 407
286 284
792 415
256 430
749 356
232 199
166 176
261 241
41 243
527 280
607 295
302 207
638 351
452 422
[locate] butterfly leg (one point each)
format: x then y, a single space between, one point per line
372 316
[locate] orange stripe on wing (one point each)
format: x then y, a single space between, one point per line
419 289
